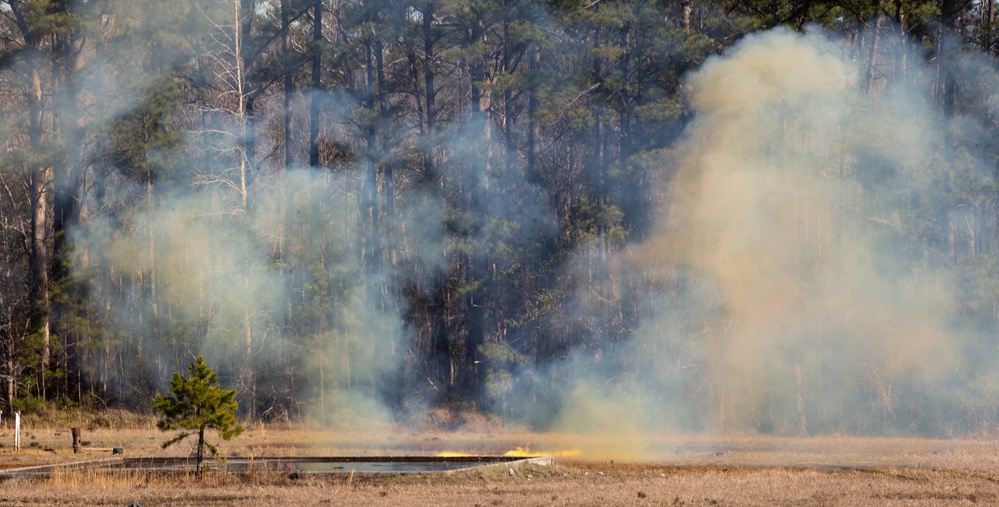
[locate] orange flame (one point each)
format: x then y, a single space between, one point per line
525 452
520 452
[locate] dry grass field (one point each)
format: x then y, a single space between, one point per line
660 470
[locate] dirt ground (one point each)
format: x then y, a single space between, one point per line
589 470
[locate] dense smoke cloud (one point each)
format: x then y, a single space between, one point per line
790 295
770 217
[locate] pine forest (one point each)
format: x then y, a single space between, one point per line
771 216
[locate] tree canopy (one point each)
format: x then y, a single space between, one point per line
197 403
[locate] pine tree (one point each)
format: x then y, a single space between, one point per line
198 403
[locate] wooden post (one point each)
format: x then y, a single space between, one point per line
77 445
17 431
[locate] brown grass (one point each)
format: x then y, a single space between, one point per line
660 470
531 485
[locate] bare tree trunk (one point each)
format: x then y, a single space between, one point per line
244 16
243 108
685 10
41 188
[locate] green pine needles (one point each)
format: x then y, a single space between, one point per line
198 403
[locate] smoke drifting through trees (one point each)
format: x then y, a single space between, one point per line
513 209
221 289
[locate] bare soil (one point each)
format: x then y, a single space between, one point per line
614 470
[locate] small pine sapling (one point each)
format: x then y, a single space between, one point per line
197 404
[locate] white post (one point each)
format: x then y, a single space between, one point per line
17 431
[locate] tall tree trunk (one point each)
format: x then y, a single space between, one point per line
436 315
949 11
598 165
369 193
387 206
873 55
244 106
901 56
251 387
510 140
287 203
41 183
429 90
244 14
480 95
989 20
10 386
248 167
624 64
153 293
289 82
473 182
317 81
68 190
41 190
533 105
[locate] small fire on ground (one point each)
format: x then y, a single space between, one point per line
520 452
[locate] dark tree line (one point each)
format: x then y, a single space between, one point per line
419 202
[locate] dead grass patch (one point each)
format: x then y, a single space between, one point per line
560 485
673 470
